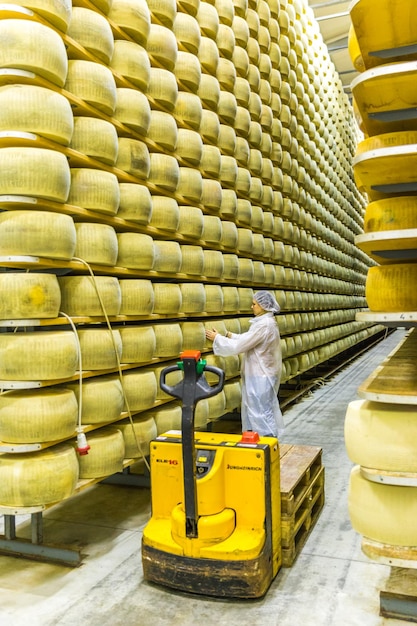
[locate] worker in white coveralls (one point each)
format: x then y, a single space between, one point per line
261 366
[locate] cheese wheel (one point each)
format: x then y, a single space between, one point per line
226 41
228 206
79 295
168 418
232 365
137 297
100 348
56 13
227 108
38 478
190 184
380 435
227 137
36 110
388 288
30 46
29 296
163 88
201 414
167 298
193 298
165 213
171 379
210 126
190 6
140 388
163 11
189 146
137 437
92 31
228 171
230 299
188 110
213 264
133 110
30 416
133 18
209 91
211 196
190 222
34 172
188 70
246 270
102 399
163 131
162 46
138 343
93 189
168 340
210 160
193 336
192 260
242 91
164 171
29 233
135 203
93 83
133 157
214 298
375 510
131 61
38 355
245 299
391 214
233 396
136 251
229 235
167 256
219 325
95 138
214 361
217 405
243 181
106 453
208 54
231 266
187 31
208 19
212 229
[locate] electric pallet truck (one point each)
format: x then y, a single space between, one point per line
215 527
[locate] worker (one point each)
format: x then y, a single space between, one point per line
261 366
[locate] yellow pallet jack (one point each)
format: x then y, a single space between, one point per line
215 527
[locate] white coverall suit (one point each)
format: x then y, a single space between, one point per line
260 373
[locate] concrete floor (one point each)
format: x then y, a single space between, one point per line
330 584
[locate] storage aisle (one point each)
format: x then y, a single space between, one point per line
331 583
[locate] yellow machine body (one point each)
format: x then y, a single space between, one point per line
237 552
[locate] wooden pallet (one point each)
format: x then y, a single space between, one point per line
302 496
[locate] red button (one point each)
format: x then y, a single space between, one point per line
250 436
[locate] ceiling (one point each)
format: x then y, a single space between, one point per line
334 21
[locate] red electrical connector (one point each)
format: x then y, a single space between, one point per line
82 445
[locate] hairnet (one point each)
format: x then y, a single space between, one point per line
267 301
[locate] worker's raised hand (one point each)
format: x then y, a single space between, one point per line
211 334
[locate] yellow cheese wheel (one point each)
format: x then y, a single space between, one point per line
133 157
33 109
133 110
167 256
39 355
201 414
190 222
381 436
228 206
29 296
133 18
33 47
162 46
214 298
213 264
190 184
210 126
388 288
212 229
165 213
214 361
167 298
192 260
188 70
233 395
35 416
226 41
241 30
391 214
102 399
211 195
208 54
163 11
92 82
100 348
187 31
168 340
137 437
245 299
163 130
34 172
188 110
246 270
193 298
168 418
93 32
95 138
38 478
94 189
135 203
164 171
140 388
210 160
106 453
136 251
209 91
80 298
217 405
229 235
189 146
131 61
163 88
227 136
29 233
193 335
375 510
227 108
137 297
208 19
138 343
56 13
243 181
230 299
228 171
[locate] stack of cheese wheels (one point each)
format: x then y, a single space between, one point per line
102 398
39 355
106 453
138 435
29 296
38 478
35 416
